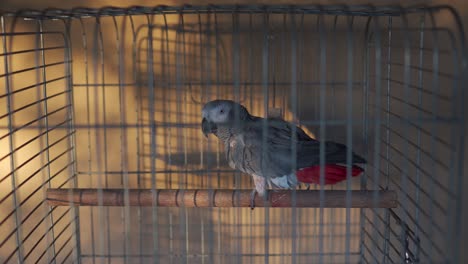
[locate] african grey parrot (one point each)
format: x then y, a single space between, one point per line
269 160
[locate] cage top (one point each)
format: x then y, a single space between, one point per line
353 10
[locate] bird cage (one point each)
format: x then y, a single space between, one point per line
102 157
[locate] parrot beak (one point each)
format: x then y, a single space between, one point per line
208 127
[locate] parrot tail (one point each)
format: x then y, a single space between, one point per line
333 173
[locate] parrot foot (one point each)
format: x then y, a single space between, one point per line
308 187
252 199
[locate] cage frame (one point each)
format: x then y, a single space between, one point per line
78 13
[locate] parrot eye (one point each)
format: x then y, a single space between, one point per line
221 111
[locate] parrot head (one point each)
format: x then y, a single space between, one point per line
221 114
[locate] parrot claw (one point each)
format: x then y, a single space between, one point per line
308 187
252 199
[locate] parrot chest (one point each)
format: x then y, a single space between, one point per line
234 148
246 159
240 156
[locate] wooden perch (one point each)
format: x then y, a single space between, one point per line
219 198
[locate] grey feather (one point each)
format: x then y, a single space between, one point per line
273 157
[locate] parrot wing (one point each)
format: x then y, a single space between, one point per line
272 157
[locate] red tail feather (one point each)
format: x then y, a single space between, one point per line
333 174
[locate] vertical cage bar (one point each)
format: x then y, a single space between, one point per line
302 73
237 77
378 118
40 46
366 115
434 88
138 117
406 123
265 78
457 143
84 39
17 214
152 123
418 133
460 111
99 56
332 116
322 128
387 138
184 214
206 214
218 156
349 132
179 77
250 99
294 43
123 134
76 251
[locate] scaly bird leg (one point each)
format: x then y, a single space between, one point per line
252 199
260 188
